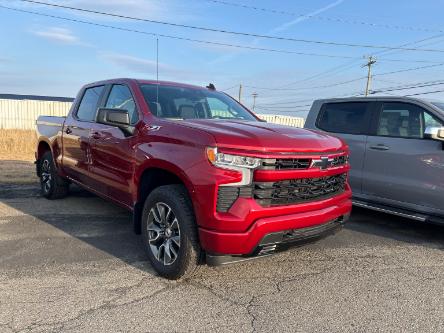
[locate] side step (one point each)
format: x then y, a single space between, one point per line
391 210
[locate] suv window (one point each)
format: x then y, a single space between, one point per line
430 120
120 97
404 120
88 105
347 118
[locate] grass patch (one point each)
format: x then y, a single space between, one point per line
18 145
17 172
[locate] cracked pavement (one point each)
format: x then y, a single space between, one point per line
74 265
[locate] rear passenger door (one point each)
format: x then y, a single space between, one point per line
401 167
349 121
76 157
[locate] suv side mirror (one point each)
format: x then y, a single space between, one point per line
434 133
115 117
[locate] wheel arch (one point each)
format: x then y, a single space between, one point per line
152 175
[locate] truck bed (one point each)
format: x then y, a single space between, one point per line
49 126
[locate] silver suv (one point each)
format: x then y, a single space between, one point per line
396 151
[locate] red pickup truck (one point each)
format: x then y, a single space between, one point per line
205 179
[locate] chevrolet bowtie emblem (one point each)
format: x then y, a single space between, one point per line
323 163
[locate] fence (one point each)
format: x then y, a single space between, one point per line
22 114
283 120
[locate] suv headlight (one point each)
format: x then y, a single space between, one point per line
243 164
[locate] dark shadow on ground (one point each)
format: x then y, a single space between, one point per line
396 228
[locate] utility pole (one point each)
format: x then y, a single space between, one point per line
371 61
254 99
240 93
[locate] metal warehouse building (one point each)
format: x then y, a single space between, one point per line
21 111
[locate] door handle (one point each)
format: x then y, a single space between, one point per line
380 147
68 130
96 135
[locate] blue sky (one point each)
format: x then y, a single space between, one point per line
47 56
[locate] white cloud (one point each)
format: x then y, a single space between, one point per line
135 64
142 67
60 35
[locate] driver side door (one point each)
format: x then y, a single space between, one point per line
403 168
112 151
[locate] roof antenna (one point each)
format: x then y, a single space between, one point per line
211 87
157 71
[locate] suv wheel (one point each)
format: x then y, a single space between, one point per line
52 185
169 232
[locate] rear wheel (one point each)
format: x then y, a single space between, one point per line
169 232
52 186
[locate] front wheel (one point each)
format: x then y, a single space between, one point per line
51 184
169 232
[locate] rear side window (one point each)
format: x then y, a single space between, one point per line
88 105
347 118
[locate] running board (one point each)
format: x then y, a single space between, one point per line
391 210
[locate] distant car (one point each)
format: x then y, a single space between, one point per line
396 151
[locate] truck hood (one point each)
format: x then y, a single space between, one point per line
266 137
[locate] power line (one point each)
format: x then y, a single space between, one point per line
175 37
327 18
226 89
249 34
426 93
409 69
411 86
307 88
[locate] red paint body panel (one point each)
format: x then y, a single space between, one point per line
104 160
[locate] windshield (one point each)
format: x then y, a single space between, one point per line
188 103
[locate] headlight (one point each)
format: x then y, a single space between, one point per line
230 161
242 164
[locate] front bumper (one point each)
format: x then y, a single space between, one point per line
279 241
307 224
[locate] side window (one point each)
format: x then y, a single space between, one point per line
120 98
431 121
347 118
88 105
401 120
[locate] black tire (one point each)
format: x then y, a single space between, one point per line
52 186
187 255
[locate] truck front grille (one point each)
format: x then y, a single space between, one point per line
286 164
294 191
227 195
299 163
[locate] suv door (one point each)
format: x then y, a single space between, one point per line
112 150
349 121
76 146
401 167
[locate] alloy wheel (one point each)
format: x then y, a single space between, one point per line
46 175
163 233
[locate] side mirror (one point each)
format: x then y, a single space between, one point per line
115 117
434 133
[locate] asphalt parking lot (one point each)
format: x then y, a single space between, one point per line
75 265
